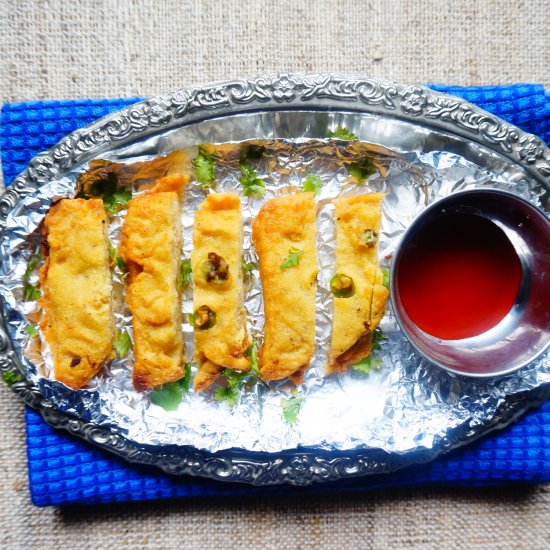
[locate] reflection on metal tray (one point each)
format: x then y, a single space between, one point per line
408 411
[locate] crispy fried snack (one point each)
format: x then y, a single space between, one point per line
151 248
218 296
359 294
284 234
78 321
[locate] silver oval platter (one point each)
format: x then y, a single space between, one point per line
405 411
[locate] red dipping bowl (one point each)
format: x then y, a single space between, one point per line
480 329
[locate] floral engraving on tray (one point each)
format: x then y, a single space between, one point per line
414 101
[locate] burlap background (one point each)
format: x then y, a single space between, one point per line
108 48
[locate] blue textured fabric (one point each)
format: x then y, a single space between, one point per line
63 470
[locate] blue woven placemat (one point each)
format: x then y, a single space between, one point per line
63 470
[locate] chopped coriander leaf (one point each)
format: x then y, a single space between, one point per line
185 382
34 260
191 319
343 134
167 396
10 377
31 293
252 184
248 267
367 364
291 407
229 395
386 277
112 253
185 273
312 183
117 201
377 338
114 198
205 168
122 344
293 258
121 264
252 354
31 330
235 381
362 170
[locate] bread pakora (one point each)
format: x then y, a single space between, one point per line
151 249
359 293
284 234
78 321
220 333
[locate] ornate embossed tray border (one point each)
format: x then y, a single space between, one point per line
328 92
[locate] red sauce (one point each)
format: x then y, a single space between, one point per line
459 276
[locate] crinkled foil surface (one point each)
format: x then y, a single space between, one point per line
406 406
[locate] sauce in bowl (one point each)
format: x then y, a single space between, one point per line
459 276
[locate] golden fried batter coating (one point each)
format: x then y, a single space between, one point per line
355 317
216 262
151 248
286 224
77 292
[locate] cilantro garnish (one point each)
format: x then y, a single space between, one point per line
121 264
342 133
312 183
362 170
31 330
248 267
33 262
112 253
31 293
377 338
185 273
117 201
252 184
230 393
293 258
386 277
370 363
291 407
122 344
10 377
205 168
236 380
367 364
169 396
114 198
252 354
185 382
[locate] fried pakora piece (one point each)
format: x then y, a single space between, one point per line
357 285
284 234
78 320
220 333
151 249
